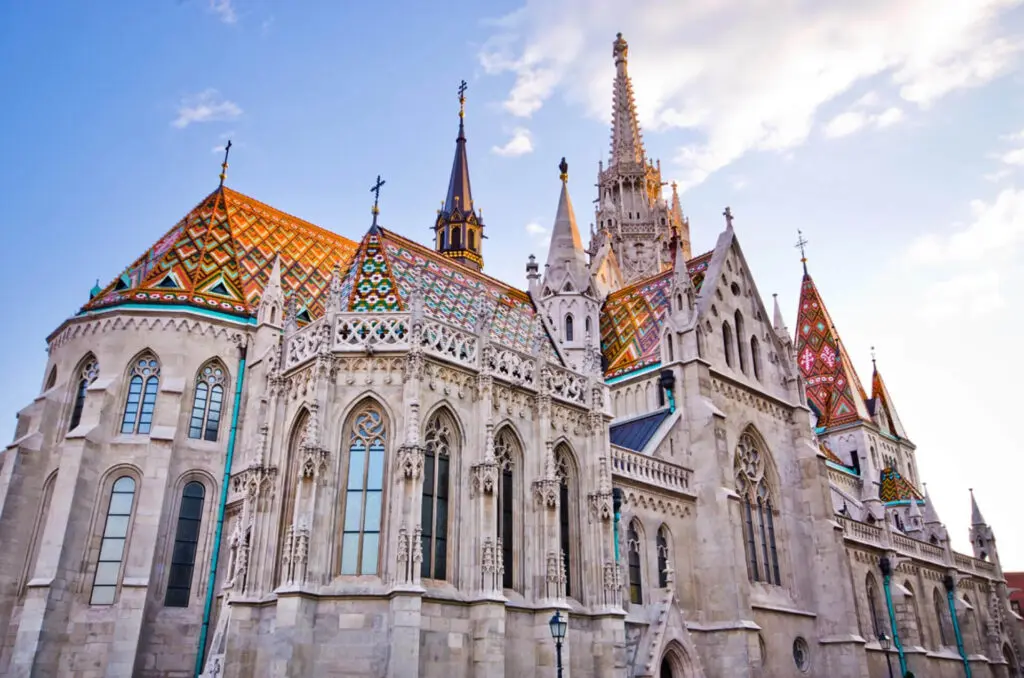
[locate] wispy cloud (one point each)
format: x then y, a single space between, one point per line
995 232
266 25
852 121
521 143
741 76
206 106
225 11
536 231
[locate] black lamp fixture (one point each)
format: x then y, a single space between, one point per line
558 625
885 642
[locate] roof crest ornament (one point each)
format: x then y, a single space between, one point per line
375 189
801 243
224 165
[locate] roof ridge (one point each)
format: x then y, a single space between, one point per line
233 194
462 268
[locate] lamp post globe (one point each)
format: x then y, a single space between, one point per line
558 625
885 642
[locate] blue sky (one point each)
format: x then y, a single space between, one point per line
894 138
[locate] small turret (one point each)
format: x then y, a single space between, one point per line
935 531
983 539
271 307
533 276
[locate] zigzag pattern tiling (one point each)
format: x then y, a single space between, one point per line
632 318
832 384
895 487
220 255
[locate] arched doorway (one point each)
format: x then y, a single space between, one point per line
676 663
666 669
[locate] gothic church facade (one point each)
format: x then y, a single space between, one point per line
268 450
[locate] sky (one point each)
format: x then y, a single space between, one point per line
890 134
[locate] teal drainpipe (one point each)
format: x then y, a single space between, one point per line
886 567
212 579
950 585
617 507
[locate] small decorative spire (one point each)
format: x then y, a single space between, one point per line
728 217
224 165
376 198
563 168
801 243
874 366
462 99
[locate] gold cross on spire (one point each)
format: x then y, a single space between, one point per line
801 242
375 189
462 99
224 165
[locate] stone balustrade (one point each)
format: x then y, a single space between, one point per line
908 547
648 470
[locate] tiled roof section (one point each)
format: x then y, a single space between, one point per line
220 255
880 394
632 318
832 384
372 288
896 488
636 433
829 454
453 293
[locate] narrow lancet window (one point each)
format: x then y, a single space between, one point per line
207 403
142 390
440 438
112 544
364 493
186 541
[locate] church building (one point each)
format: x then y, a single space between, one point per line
267 450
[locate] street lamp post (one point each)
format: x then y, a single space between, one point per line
558 626
886 643
885 565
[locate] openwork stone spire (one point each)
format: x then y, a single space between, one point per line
627 142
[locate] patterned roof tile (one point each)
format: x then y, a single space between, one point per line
632 318
896 488
220 255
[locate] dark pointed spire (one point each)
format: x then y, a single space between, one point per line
459 226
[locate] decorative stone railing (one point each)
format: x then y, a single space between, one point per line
304 344
909 547
566 385
844 480
512 366
642 468
449 343
360 332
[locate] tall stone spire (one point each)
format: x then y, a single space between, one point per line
567 260
458 231
976 517
627 141
632 214
680 223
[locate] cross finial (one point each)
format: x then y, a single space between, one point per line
728 217
462 98
563 168
801 243
224 165
873 365
375 189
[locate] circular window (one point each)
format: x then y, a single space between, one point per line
802 655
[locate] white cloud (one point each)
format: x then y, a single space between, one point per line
536 231
207 106
846 123
521 143
995 233
224 10
744 75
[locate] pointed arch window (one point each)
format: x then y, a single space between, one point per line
506 452
636 584
112 545
441 240
207 403
661 541
568 327
472 239
186 541
566 478
364 493
871 588
755 357
758 513
37 533
727 342
587 325
440 438
456 237
942 616
142 388
51 379
90 370
740 350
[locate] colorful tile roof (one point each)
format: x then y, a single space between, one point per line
895 487
831 382
452 293
369 285
632 318
879 393
220 255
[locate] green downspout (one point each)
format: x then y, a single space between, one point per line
617 506
950 585
886 567
212 579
